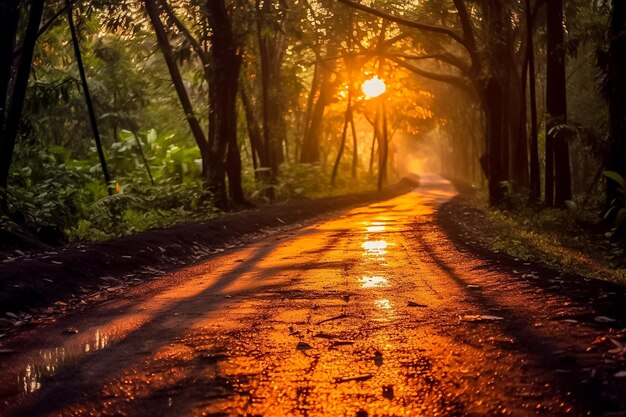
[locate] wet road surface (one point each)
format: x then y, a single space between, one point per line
372 312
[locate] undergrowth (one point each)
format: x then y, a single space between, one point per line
565 239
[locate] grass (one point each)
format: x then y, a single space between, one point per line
565 240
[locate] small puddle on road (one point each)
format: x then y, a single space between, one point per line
374 248
374 282
50 361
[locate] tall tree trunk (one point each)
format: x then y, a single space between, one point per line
177 80
310 153
383 151
9 18
271 49
556 106
518 151
374 141
233 169
355 152
344 134
252 124
92 113
15 104
535 175
616 91
222 107
495 134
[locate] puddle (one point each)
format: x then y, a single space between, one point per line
386 312
384 304
50 361
375 247
374 282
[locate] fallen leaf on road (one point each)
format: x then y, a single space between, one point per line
378 358
339 317
363 377
487 317
605 319
343 342
326 335
303 346
478 317
414 304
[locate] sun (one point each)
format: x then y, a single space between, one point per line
373 87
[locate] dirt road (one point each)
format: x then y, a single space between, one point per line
372 312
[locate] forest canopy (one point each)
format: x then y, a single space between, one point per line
119 116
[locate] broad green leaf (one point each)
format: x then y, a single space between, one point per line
612 175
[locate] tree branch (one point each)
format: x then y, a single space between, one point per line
405 22
444 78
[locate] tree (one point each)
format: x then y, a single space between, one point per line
223 86
614 89
13 89
558 176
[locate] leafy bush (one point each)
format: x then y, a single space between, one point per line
616 210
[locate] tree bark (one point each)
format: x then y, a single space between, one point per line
9 18
15 104
344 135
616 89
556 106
177 80
223 87
535 175
90 109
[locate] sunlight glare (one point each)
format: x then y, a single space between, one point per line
374 282
374 245
373 87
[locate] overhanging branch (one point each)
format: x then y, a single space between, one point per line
444 78
405 22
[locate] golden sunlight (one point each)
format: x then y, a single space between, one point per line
373 87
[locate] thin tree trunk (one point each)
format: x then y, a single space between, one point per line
535 176
556 106
355 153
90 109
143 157
344 134
374 141
177 80
254 130
384 149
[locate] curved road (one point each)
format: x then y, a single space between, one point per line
373 312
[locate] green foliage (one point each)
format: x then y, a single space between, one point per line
45 195
616 211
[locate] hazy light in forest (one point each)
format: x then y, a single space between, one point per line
373 87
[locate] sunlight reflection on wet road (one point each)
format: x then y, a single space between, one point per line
357 315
